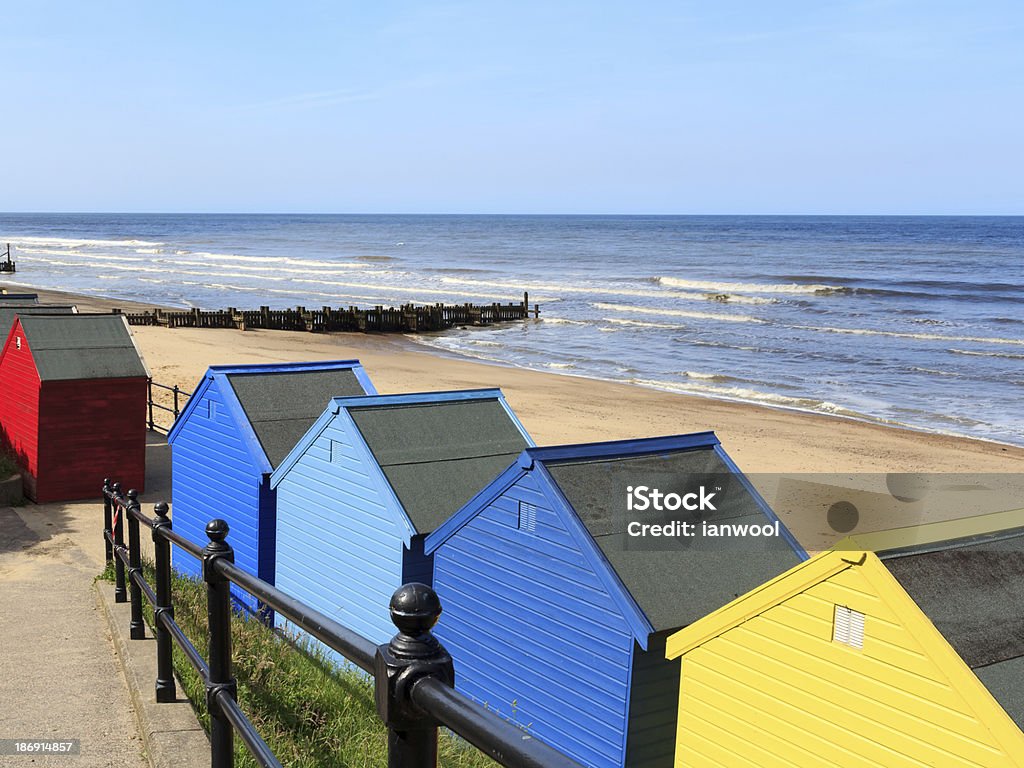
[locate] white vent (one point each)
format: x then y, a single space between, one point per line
211 409
527 517
848 628
17 341
337 452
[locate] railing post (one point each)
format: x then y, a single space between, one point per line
137 626
413 654
218 614
149 399
108 547
120 595
165 687
175 390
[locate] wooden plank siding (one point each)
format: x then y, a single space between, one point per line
653 705
214 476
19 406
87 431
340 541
776 690
533 631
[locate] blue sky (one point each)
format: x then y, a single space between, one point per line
569 107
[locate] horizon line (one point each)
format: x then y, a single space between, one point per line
510 214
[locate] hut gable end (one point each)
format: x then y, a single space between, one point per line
518 554
332 472
766 680
213 461
19 406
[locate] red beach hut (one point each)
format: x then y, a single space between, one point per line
73 404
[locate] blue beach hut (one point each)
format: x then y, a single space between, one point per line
239 424
370 479
556 610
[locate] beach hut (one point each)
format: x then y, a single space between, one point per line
557 600
906 658
73 405
366 484
18 298
239 423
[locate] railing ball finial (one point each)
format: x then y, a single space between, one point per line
415 609
161 508
217 530
116 487
133 495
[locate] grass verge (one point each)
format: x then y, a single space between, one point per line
312 713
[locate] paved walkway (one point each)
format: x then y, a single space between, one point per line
59 677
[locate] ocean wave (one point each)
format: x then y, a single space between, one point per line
305 263
1006 355
642 324
609 291
48 251
747 395
706 376
728 287
905 335
678 313
80 242
562 321
258 271
375 258
409 290
560 366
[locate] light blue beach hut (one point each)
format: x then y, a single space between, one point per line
369 480
557 607
239 424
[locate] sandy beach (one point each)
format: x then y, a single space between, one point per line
564 409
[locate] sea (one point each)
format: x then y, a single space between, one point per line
910 321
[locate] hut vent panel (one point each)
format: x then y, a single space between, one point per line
527 517
848 627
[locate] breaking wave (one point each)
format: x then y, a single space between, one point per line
728 287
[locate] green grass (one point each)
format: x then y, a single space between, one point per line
312 713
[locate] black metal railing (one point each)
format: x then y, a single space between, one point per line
413 674
178 398
7 265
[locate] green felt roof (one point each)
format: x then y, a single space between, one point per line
281 406
1005 681
973 592
675 580
72 347
10 311
438 455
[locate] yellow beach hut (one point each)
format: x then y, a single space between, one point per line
913 657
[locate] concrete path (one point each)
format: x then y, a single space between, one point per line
59 677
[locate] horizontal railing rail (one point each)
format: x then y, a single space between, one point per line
413 674
178 397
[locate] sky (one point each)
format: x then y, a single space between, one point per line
817 107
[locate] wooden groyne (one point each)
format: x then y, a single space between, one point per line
408 318
7 265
